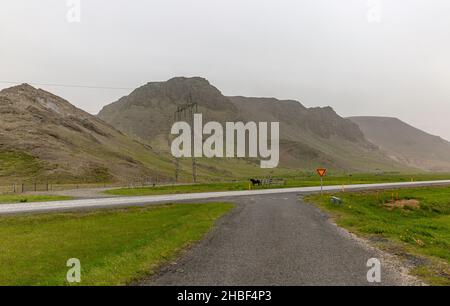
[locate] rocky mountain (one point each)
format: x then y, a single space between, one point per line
44 137
405 143
148 112
310 137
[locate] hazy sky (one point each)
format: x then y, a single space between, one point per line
320 52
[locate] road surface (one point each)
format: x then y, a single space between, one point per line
270 238
275 240
147 200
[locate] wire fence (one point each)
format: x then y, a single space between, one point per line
19 187
48 186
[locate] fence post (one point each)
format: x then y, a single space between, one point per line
35 186
14 187
23 188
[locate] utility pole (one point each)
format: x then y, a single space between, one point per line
176 118
187 112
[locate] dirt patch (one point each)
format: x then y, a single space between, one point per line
414 204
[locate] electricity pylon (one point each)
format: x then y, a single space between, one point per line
186 112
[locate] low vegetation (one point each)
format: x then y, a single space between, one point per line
18 164
305 180
412 223
115 247
16 198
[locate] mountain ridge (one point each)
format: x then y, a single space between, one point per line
64 142
45 137
406 143
329 138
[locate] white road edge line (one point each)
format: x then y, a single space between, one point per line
124 201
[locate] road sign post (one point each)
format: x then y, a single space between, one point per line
321 172
321 185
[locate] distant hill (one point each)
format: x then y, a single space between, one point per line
310 137
148 111
405 143
44 137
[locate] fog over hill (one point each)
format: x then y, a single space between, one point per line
405 143
44 137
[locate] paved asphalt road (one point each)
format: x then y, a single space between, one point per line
147 200
274 240
270 238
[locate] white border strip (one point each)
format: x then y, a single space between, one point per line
142 200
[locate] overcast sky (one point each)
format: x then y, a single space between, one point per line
354 55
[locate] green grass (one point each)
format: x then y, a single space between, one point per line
423 232
18 164
115 247
306 180
178 189
14 198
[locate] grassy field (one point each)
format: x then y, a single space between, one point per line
18 164
302 181
17 198
419 231
114 247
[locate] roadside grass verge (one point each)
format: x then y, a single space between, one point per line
115 247
304 181
23 198
412 223
176 189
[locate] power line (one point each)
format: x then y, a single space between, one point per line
69 85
